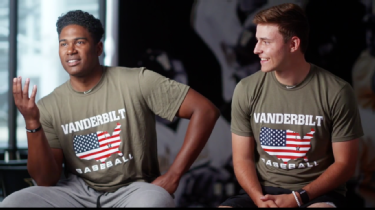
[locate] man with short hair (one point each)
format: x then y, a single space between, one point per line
101 125
295 126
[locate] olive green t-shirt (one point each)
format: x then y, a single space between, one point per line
294 127
108 136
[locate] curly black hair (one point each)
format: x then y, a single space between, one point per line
84 19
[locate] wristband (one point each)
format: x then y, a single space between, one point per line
34 130
295 197
304 196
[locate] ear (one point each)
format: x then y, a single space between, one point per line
99 48
295 44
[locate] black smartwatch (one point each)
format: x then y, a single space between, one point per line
304 196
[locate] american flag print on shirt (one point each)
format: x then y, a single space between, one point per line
98 146
285 144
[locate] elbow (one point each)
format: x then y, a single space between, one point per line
347 169
351 171
44 184
214 112
207 114
45 181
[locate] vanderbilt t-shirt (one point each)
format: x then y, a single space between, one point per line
108 136
294 127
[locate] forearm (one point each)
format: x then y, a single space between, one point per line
246 175
335 175
41 163
198 131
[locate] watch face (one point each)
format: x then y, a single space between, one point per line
304 196
302 192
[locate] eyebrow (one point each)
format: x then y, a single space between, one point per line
63 40
262 38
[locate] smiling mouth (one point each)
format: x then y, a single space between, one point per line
263 60
73 62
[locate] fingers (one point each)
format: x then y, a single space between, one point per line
268 204
265 197
272 205
270 200
33 94
23 94
25 91
17 89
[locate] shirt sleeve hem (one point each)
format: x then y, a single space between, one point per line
347 138
179 102
241 133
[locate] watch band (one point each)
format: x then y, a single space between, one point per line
34 130
304 196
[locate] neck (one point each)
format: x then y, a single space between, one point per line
87 82
293 72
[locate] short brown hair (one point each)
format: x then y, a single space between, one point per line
290 18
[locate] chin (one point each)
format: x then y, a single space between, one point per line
74 73
265 70
74 70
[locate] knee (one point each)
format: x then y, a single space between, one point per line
20 198
153 197
322 205
157 199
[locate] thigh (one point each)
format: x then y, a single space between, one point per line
241 200
37 196
70 192
275 190
138 194
334 198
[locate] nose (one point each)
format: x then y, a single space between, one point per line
71 49
257 49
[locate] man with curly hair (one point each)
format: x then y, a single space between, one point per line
99 127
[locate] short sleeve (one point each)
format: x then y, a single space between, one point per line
49 131
164 96
240 114
345 116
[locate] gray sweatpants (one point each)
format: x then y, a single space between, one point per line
73 192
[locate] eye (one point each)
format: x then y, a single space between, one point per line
80 42
62 44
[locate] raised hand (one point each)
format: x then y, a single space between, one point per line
25 104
